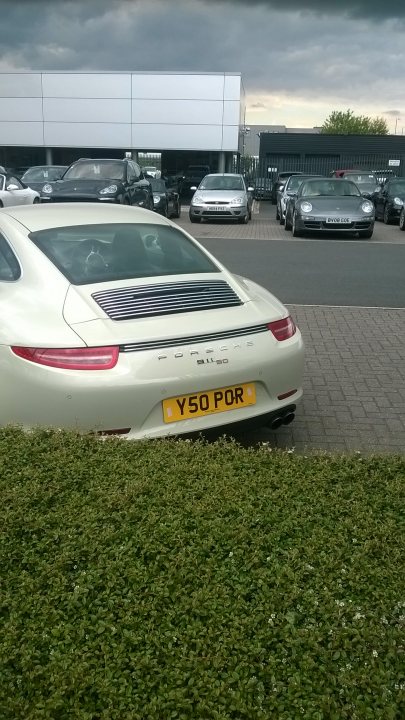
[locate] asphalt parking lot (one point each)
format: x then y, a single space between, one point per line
355 343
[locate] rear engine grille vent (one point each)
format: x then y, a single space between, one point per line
166 299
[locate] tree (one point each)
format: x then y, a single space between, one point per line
347 123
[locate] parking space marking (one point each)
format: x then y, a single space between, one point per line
347 307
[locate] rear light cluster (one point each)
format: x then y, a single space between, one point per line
283 329
105 358
86 358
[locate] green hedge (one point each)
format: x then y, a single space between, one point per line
164 579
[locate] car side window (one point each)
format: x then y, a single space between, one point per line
9 267
11 180
130 173
136 170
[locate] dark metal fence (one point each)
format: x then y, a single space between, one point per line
380 165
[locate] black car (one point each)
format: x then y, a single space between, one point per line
390 200
365 180
262 188
101 180
166 200
193 176
280 181
36 177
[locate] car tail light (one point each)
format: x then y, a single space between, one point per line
283 329
87 358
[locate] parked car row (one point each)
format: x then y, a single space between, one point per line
93 180
386 202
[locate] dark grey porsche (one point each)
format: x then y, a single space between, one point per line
330 206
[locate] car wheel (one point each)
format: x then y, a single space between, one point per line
386 216
277 213
1 204
366 234
295 231
178 210
282 220
195 219
35 201
244 219
402 220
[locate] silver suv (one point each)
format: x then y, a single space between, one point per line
223 196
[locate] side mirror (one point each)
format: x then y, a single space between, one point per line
12 187
250 188
281 187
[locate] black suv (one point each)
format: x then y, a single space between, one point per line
193 176
109 181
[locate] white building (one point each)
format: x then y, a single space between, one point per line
46 116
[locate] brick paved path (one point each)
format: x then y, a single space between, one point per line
354 389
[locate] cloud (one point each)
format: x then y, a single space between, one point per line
364 9
291 55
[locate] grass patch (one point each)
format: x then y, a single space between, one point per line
160 580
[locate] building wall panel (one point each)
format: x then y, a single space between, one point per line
21 109
89 110
177 137
20 85
86 85
101 135
24 134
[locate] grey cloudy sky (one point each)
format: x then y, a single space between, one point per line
299 59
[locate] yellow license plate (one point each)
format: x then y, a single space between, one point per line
206 403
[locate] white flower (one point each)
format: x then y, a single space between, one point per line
230 554
375 653
358 616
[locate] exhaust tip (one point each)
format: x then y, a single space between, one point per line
287 419
276 423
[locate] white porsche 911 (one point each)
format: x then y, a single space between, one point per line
115 320
14 192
